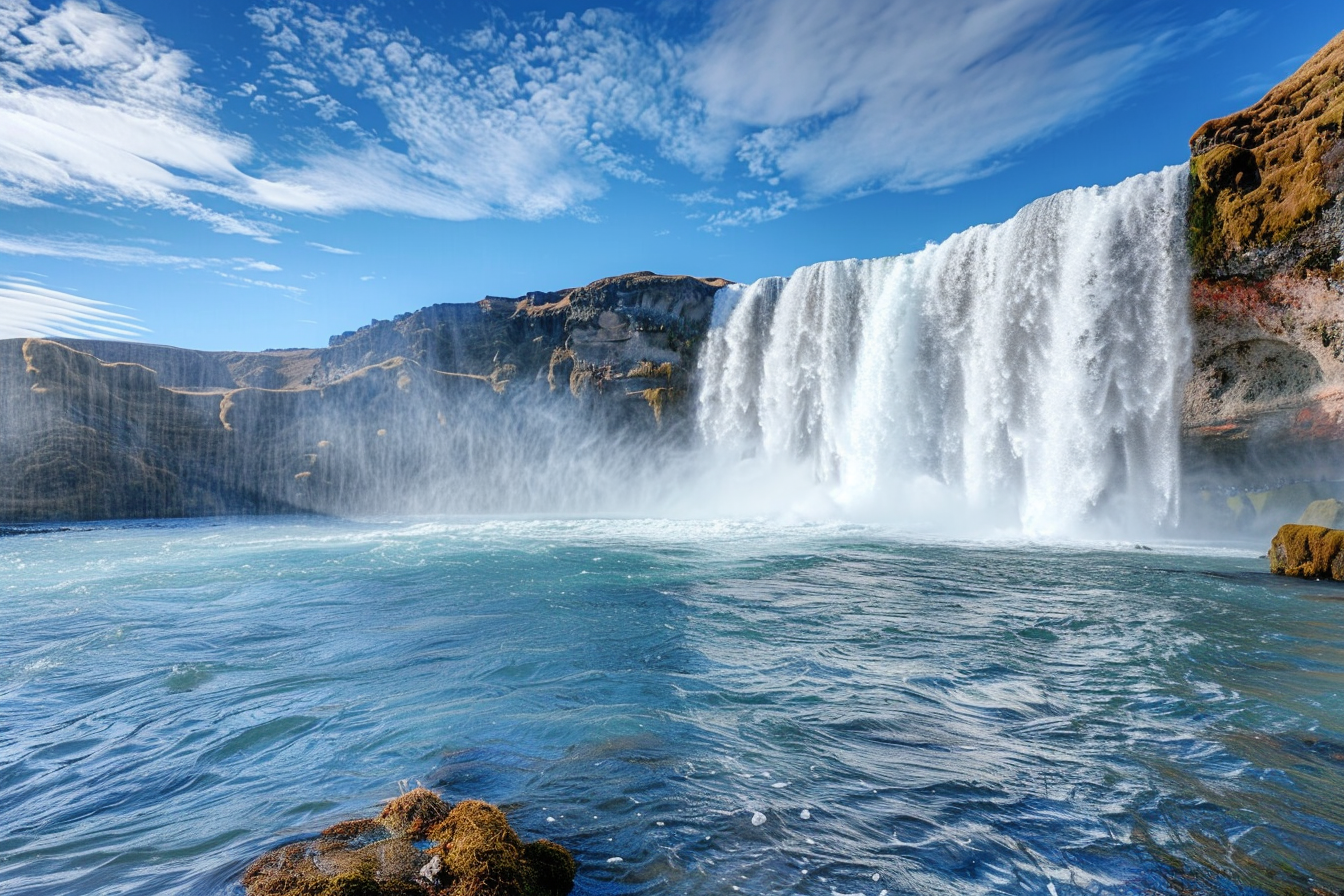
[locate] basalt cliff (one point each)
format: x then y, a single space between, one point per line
1264 409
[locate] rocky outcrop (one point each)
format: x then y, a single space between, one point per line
417 846
1309 552
1264 409
492 406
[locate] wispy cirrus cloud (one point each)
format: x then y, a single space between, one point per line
796 101
90 248
94 107
332 250
87 247
911 94
29 309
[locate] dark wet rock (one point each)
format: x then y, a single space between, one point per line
417 845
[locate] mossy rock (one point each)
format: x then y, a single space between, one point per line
474 852
414 814
1261 176
1309 552
1328 513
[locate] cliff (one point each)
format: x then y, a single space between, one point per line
496 405
1264 409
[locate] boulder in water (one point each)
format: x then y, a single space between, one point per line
471 851
1309 552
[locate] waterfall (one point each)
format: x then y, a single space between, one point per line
1031 369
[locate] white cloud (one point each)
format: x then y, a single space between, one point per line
905 94
332 250
27 310
243 282
89 248
92 106
809 101
520 121
758 208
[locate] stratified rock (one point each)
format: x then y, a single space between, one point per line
473 852
1328 513
1310 552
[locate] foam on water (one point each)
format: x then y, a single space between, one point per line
1029 371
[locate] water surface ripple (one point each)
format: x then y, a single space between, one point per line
725 707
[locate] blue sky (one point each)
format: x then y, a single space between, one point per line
225 175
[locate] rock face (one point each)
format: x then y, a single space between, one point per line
485 406
1264 410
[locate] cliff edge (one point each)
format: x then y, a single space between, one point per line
1264 409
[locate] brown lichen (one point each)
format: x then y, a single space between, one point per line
482 856
558 357
649 370
658 399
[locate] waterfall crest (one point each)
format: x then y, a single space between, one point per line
1031 369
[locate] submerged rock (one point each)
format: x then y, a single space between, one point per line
1309 552
418 845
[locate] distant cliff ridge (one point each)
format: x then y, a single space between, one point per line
499 406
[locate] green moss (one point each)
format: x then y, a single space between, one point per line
1204 233
1260 177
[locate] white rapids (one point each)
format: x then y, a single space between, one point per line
1032 369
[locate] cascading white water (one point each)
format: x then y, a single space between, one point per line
1032 368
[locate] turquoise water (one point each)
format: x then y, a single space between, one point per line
725 708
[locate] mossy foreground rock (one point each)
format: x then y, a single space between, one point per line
418 845
1311 552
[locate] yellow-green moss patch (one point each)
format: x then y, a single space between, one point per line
1261 175
1310 552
